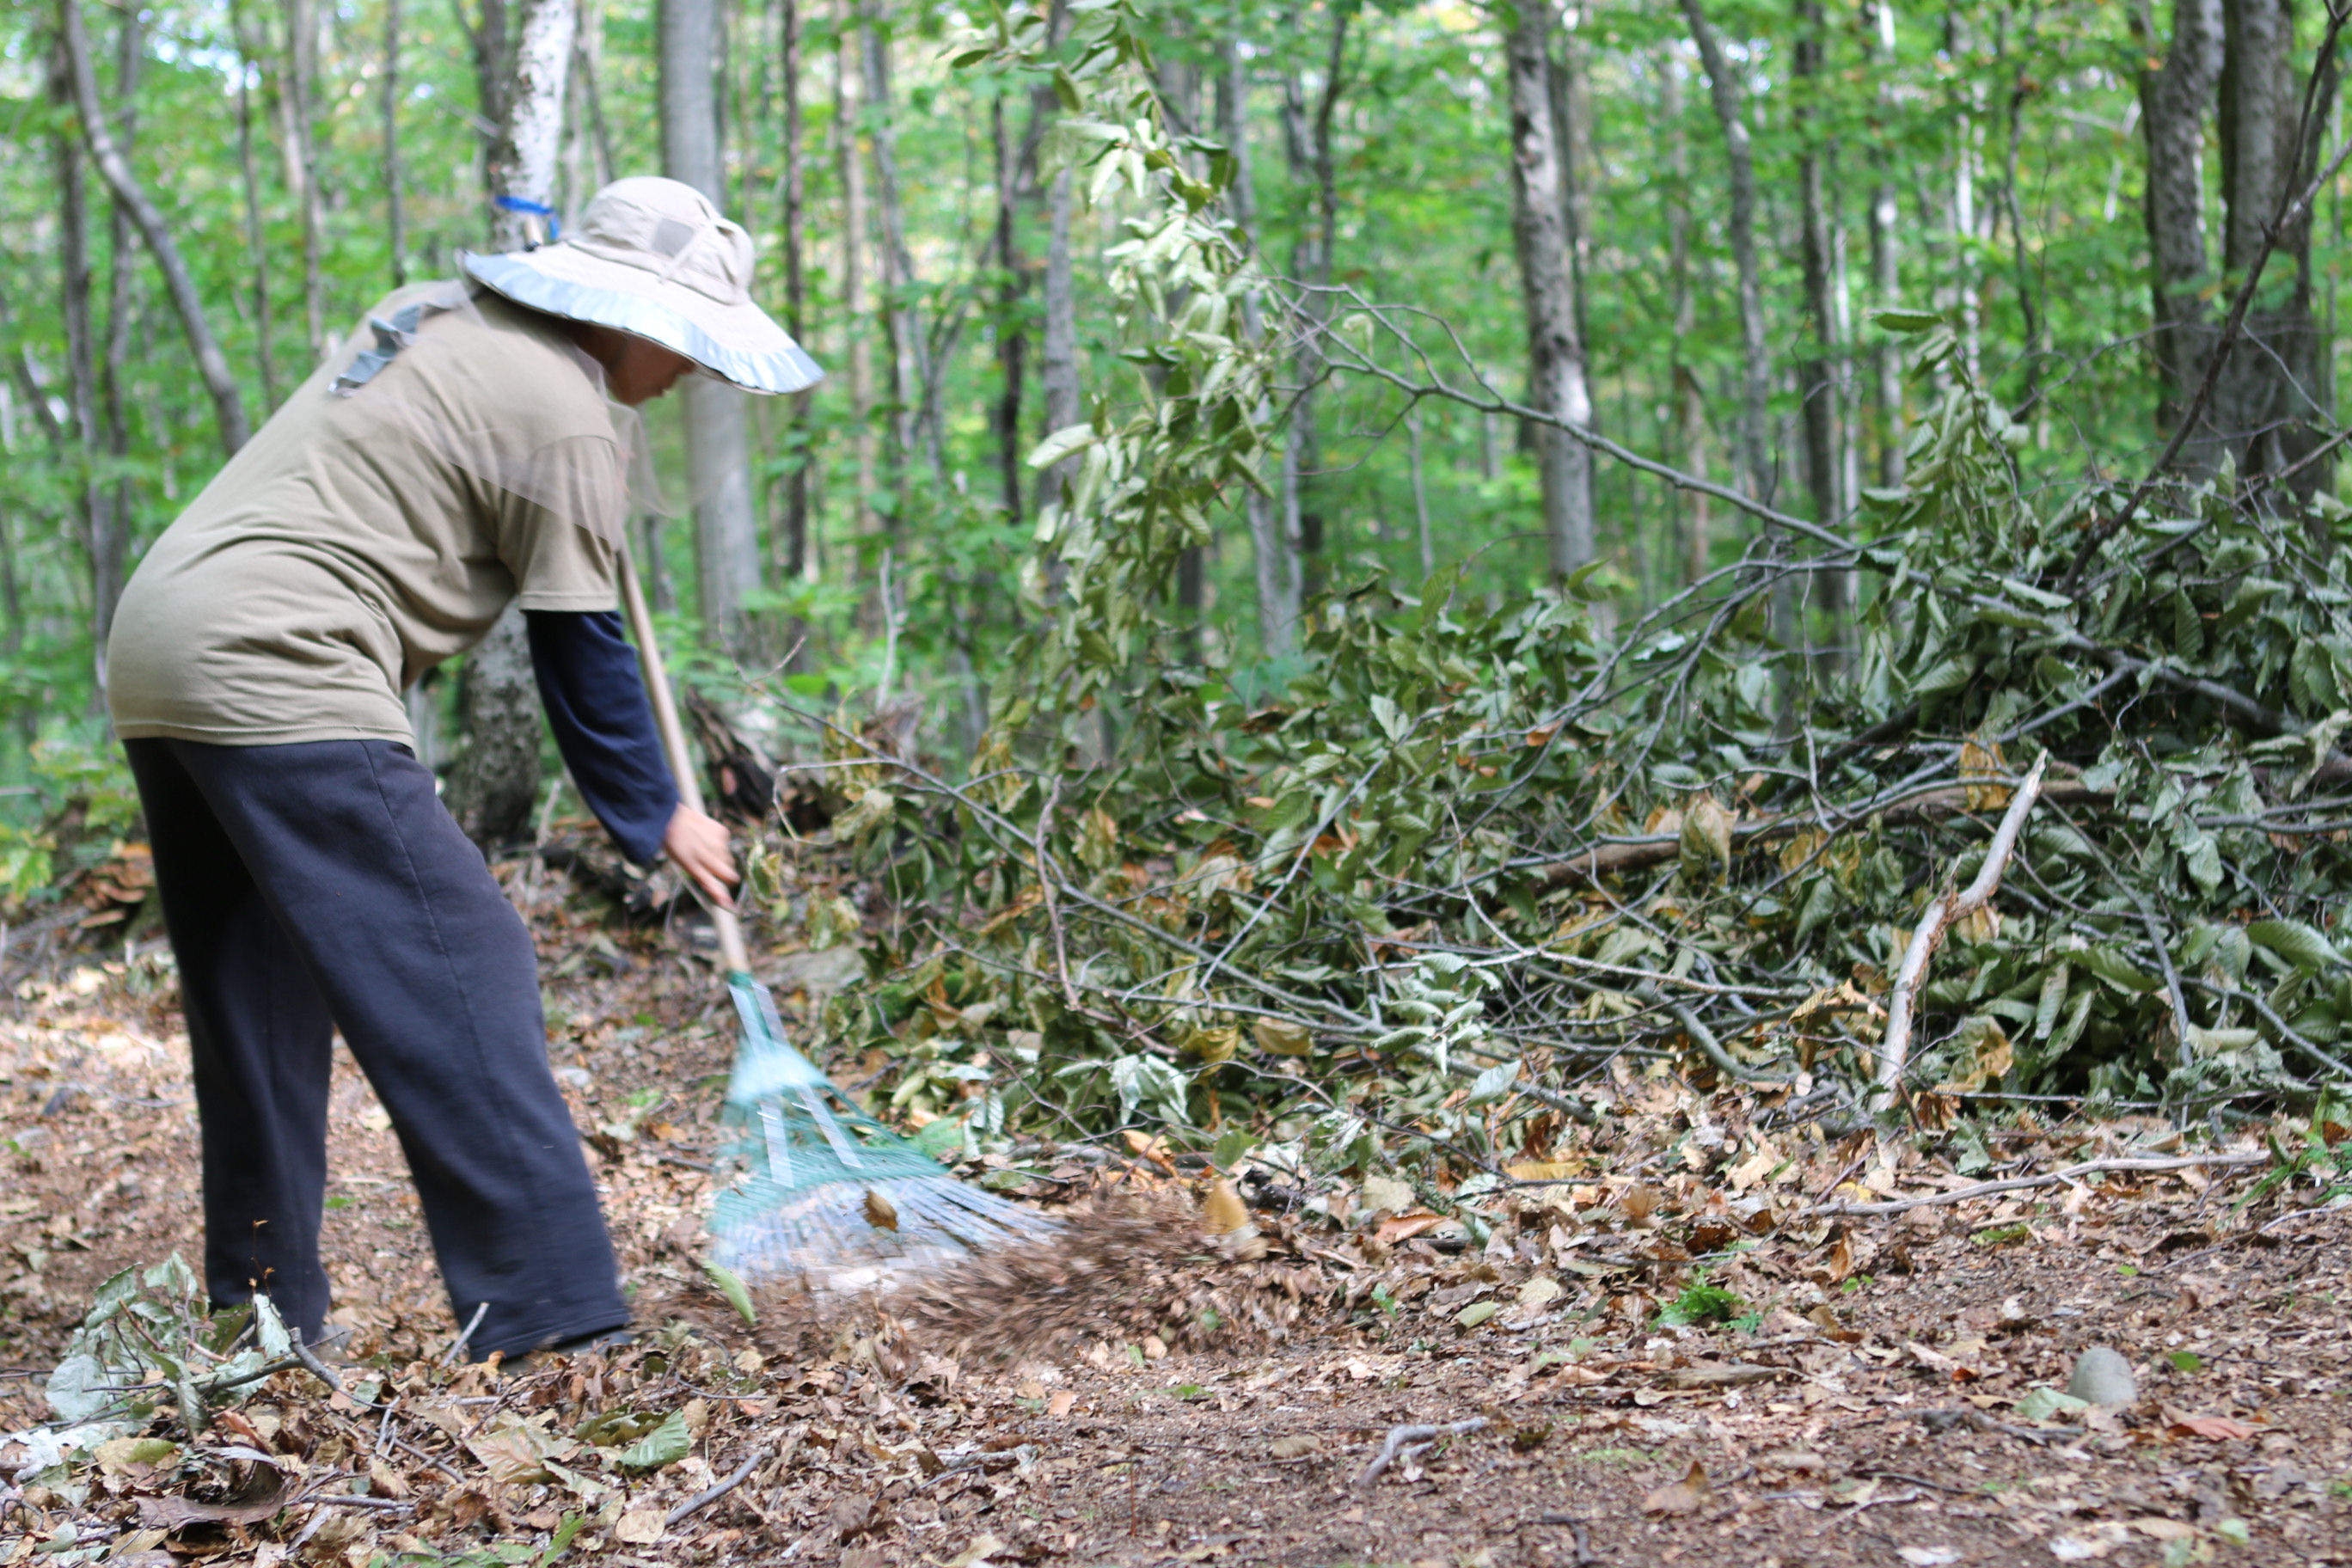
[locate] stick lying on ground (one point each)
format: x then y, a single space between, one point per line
2051 1178
1935 920
1413 1440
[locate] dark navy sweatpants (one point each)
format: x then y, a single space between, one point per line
312 887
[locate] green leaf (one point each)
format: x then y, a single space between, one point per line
1910 323
665 1444
1492 1084
1476 1313
2117 970
1061 444
2042 1404
2302 946
731 1285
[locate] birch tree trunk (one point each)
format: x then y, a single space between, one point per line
522 163
496 782
1887 270
1275 556
718 435
1756 379
211 366
1556 382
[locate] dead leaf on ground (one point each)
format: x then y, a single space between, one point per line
640 1527
1297 1445
178 1512
2216 1428
1689 1495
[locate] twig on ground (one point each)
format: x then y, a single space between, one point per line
457 1346
716 1489
1933 922
1421 1436
319 1369
2022 1184
343 1499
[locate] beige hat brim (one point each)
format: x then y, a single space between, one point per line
741 343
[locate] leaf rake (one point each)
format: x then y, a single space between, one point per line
819 1189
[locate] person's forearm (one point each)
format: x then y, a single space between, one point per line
595 702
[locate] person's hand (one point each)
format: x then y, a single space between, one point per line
698 847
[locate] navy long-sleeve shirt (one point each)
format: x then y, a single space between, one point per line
595 701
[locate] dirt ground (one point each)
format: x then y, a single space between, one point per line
1880 1393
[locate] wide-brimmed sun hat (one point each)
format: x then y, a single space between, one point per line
654 258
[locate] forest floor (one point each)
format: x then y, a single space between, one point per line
1881 1396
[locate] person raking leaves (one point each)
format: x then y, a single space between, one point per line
467 449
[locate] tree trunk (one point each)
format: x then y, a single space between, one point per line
1694 507
1886 267
718 439
211 366
1276 559
853 303
2174 100
1817 372
1555 382
1306 138
2267 396
1012 339
1057 369
1756 380
915 416
496 782
75 271
256 249
110 539
794 201
522 159
301 109
2021 87
395 220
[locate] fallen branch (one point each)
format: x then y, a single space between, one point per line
715 1491
2025 1184
1610 857
1935 920
1420 1437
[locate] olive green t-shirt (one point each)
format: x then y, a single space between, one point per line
359 540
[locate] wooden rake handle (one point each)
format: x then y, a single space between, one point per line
731 950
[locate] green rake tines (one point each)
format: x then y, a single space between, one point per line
825 1191
822 1191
